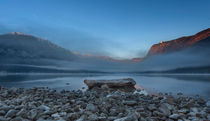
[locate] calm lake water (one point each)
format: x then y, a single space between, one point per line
187 84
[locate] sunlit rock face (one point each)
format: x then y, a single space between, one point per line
178 44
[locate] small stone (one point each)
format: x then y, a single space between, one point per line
111 118
113 112
143 114
44 108
3 118
183 111
151 107
41 119
156 113
194 110
166 120
141 92
2 112
169 99
208 117
102 118
56 116
130 103
208 109
80 119
201 101
93 117
174 116
190 104
105 87
128 118
121 119
11 113
21 112
140 109
179 93
5 108
192 114
19 119
114 96
208 103
73 116
32 114
12 90
63 113
165 110
19 107
91 107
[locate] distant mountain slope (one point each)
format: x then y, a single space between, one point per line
179 44
19 45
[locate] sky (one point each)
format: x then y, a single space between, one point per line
116 28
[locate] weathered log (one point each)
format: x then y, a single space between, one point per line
114 83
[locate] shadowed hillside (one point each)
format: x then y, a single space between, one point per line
19 45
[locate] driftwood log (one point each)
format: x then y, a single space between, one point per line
114 83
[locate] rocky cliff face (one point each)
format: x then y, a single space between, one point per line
178 44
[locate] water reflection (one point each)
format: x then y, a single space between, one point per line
187 84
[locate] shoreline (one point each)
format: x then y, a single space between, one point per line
98 105
101 73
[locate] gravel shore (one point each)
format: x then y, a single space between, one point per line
43 104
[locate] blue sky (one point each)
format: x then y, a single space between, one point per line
116 28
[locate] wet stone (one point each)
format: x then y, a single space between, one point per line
11 113
44 104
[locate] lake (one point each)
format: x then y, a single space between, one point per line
188 84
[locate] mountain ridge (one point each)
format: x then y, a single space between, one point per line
178 44
16 44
